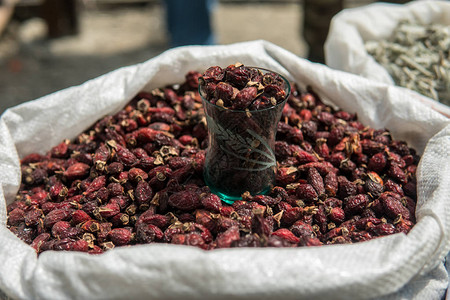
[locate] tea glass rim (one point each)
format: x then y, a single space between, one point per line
288 92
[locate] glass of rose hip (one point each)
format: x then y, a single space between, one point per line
242 106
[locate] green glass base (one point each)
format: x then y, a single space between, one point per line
226 198
231 199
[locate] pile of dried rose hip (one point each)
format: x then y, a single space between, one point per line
239 87
136 178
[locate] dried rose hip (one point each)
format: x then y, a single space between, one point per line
120 236
185 200
135 177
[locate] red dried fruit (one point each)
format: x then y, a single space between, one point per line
393 207
58 191
121 200
159 176
60 151
291 215
346 187
95 250
360 236
320 218
109 210
396 159
114 168
286 175
33 217
226 238
399 147
55 216
391 186
59 228
331 184
148 233
102 233
101 157
120 236
316 181
137 174
301 229
323 167
211 202
115 189
336 215
31 158
410 204
143 193
186 139
263 226
383 229
224 91
367 223
403 226
310 242
282 149
149 217
373 185
196 240
96 184
178 162
397 174
77 171
306 192
287 235
278 242
181 175
37 176
63 245
40 197
213 74
237 75
347 166
335 136
244 98
79 245
185 200
125 156
377 162
249 240
206 219
16 216
90 226
305 115
226 211
355 204
120 220
79 216
39 240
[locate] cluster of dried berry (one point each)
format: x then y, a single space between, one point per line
136 177
238 87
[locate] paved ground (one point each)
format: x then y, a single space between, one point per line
32 66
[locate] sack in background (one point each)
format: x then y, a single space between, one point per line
351 28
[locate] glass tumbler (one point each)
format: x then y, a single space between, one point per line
240 155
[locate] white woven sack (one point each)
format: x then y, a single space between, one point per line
351 28
384 266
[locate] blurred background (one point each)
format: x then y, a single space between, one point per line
49 45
